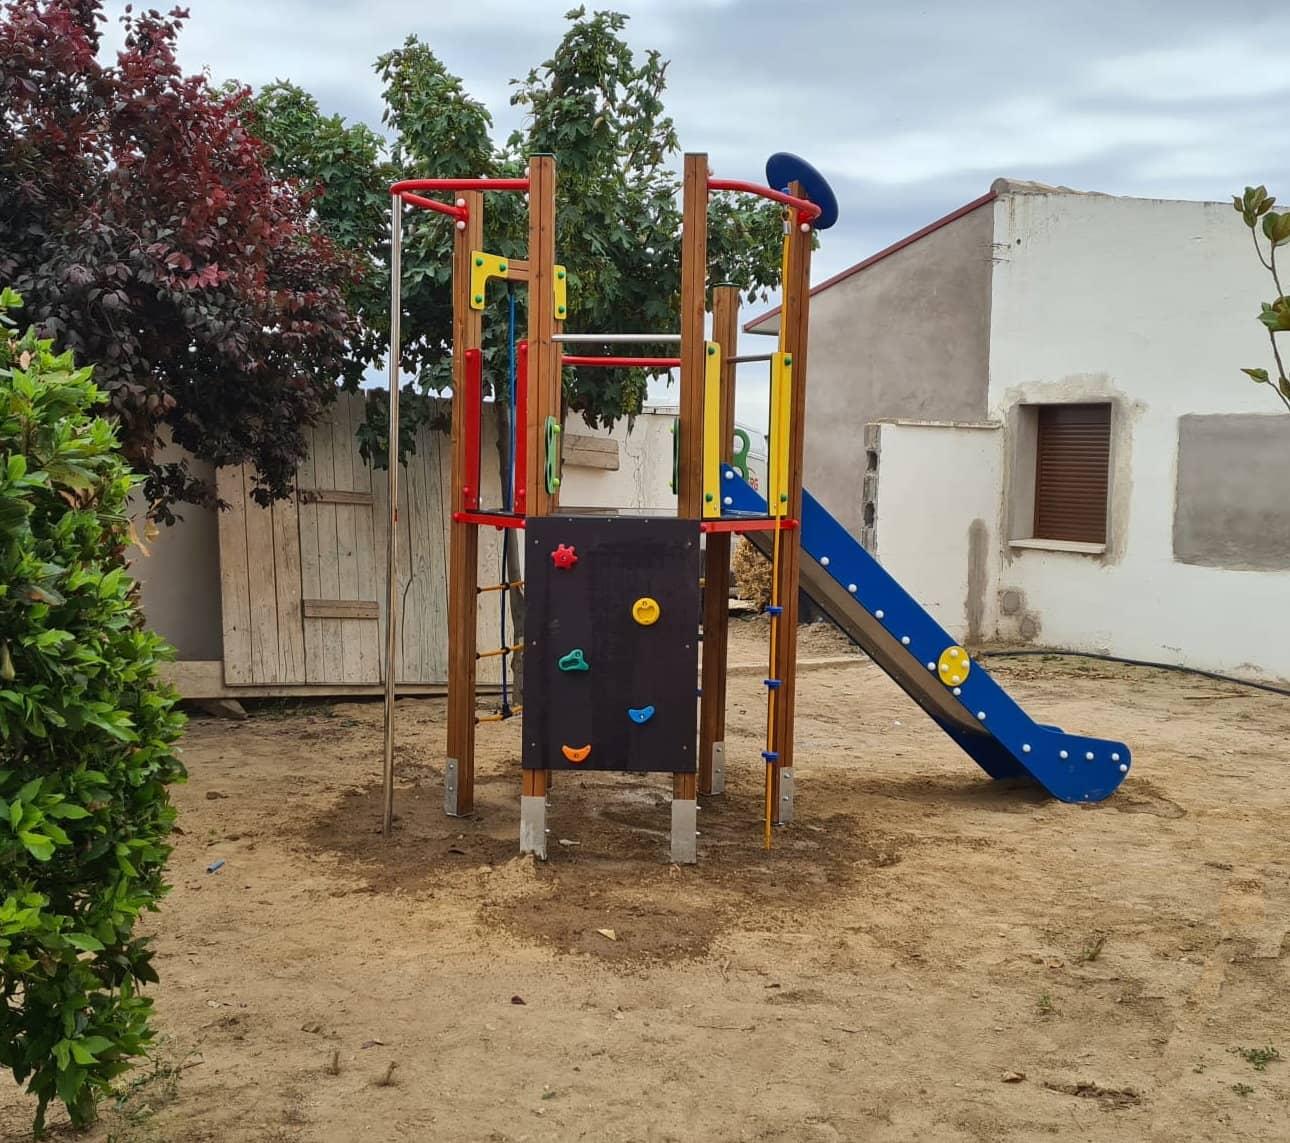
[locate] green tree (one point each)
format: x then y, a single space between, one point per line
86 738
1255 208
599 109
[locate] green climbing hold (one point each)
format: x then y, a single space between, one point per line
479 298
711 350
502 267
788 359
574 661
479 261
707 496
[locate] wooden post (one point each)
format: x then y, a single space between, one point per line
795 316
545 396
716 574
689 499
545 400
463 567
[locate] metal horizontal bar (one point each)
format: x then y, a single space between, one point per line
626 362
619 338
745 358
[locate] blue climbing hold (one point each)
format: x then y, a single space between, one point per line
641 714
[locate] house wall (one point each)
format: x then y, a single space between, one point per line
907 337
1149 305
936 497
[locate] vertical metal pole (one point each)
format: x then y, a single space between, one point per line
392 548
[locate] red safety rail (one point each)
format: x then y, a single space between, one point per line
521 427
474 398
787 523
625 362
807 211
496 519
406 187
453 211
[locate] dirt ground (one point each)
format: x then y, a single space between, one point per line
924 955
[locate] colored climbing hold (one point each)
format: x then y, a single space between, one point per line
953 666
574 661
576 754
646 611
564 556
641 714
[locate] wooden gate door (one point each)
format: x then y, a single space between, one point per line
303 582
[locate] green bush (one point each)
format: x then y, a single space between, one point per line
86 739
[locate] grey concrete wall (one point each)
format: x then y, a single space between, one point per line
908 337
1232 508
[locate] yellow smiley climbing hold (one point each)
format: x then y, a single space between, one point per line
646 611
953 666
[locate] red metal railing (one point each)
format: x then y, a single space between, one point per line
735 524
521 426
807 211
406 188
474 398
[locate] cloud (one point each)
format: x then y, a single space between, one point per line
911 109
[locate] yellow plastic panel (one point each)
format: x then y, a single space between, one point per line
561 293
781 411
482 267
712 431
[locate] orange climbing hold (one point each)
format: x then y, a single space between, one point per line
576 754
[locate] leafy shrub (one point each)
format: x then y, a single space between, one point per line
86 739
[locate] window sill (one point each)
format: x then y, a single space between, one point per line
1060 546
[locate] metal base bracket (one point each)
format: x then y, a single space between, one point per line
685 831
718 768
533 826
785 807
451 776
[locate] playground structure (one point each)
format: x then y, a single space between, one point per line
616 605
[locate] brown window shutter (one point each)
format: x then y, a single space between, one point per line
1072 461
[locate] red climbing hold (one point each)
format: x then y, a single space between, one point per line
564 556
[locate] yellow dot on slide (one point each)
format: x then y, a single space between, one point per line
954 665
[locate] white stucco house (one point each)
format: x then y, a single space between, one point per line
1032 412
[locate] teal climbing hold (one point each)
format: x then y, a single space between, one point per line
640 714
574 661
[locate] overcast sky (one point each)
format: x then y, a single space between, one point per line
909 109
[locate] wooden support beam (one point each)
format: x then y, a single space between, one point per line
795 317
716 575
694 289
341 609
544 397
463 566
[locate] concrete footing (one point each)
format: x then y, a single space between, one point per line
685 831
533 826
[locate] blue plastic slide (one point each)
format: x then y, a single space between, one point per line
958 694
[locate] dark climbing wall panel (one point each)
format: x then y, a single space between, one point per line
587 607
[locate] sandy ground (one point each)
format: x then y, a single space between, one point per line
923 956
